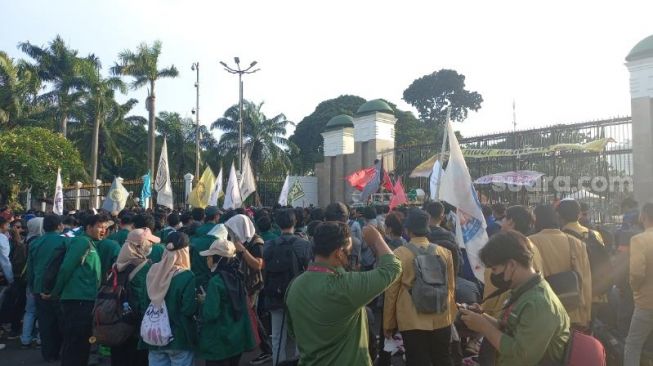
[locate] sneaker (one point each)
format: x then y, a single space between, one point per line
261 359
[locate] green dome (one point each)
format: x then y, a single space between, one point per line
376 105
338 122
643 49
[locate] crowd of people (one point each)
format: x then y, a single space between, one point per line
324 286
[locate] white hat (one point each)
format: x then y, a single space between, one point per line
221 247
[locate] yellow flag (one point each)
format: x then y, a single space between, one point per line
200 195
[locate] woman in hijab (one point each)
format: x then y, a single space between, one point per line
172 282
132 262
226 331
34 231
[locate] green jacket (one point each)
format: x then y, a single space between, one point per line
157 253
108 251
181 302
40 252
221 335
120 236
79 275
198 243
137 291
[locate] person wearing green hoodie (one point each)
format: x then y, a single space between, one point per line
226 330
202 241
171 282
126 225
48 311
77 284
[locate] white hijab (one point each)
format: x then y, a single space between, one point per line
242 227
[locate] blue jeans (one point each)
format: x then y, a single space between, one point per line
29 319
640 327
288 349
171 358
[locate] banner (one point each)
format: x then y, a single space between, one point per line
201 194
57 208
162 182
424 168
457 189
517 178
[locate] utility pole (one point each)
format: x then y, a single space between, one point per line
240 72
196 67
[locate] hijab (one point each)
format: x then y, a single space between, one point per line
133 253
34 228
161 273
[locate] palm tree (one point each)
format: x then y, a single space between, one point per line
19 85
142 65
60 66
263 138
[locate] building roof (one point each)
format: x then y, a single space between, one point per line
338 122
643 49
376 105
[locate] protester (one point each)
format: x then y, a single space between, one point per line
561 252
34 231
77 284
493 226
395 229
225 329
171 281
533 326
264 225
7 275
126 225
174 224
441 236
108 251
426 335
338 212
285 257
326 304
641 281
132 262
201 241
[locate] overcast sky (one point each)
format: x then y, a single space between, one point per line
562 61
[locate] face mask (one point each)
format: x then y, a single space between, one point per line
499 281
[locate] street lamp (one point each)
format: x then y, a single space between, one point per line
196 111
240 72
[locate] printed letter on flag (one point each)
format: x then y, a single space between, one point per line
232 197
456 188
216 192
58 195
162 182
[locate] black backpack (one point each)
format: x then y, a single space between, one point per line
600 264
281 266
252 278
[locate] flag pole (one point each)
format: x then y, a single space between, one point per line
442 150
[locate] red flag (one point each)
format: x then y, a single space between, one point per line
387 182
360 178
398 195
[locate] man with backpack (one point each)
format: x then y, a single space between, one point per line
77 283
285 258
421 302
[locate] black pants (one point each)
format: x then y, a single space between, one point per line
427 347
50 323
128 354
233 361
77 329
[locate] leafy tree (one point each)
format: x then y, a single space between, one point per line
308 136
19 85
433 93
263 138
60 66
142 65
30 156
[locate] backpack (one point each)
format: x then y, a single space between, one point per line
567 285
253 279
113 319
281 266
429 292
583 349
53 267
155 326
599 258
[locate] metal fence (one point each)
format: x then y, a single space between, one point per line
613 165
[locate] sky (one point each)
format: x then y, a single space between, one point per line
560 61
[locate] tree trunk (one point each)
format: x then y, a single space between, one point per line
151 140
95 148
64 125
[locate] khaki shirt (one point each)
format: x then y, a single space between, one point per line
582 230
641 269
399 312
554 247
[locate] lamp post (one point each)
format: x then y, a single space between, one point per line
196 111
240 72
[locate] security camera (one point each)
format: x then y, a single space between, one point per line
192 111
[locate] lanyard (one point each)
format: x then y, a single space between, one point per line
320 269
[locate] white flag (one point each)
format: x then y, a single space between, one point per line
247 181
283 197
457 189
433 180
116 198
216 192
57 208
232 198
162 182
